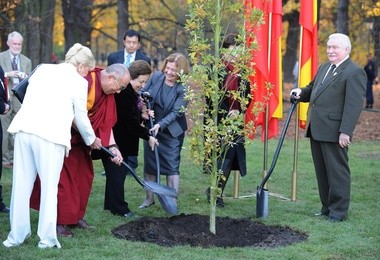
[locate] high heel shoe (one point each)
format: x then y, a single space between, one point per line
144 206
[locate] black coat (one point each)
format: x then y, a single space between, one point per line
128 129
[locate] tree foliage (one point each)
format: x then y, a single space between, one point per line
207 24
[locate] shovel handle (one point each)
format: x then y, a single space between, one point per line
156 155
281 140
107 151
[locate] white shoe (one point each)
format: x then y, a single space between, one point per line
8 244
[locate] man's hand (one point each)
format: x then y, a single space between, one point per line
97 144
6 109
297 92
344 140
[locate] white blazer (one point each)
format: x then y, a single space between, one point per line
56 96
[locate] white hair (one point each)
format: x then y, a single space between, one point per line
341 38
14 34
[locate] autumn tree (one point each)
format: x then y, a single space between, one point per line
210 137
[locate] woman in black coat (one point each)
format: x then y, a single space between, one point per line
127 131
4 107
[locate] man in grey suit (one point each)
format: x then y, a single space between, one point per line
16 67
336 98
131 51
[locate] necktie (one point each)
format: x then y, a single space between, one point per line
128 60
330 73
14 63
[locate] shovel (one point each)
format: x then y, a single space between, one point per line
167 203
159 190
261 193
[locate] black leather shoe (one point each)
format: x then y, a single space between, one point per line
335 219
4 210
208 194
220 202
320 214
129 215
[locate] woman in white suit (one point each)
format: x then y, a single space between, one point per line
56 97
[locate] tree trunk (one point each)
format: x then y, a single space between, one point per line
77 21
342 18
292 42
39 30
123 22
35 19
376 40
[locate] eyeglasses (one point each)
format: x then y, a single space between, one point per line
118 85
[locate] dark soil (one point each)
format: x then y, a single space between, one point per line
193 230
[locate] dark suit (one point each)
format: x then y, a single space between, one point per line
3 100
168 104
334 108
118 57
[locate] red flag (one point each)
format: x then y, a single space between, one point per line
267 82
308 50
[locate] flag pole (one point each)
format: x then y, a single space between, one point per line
296 131
265 162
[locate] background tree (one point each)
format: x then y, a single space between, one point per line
342 17
122 21
77 20
291 17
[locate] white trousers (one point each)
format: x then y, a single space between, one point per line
33 155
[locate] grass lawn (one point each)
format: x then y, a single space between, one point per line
356 238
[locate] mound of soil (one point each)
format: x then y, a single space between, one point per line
193 230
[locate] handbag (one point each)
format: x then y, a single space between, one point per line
20 89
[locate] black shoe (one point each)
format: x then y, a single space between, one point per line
208 194
335 219
129 215
5 210
320 214
220 202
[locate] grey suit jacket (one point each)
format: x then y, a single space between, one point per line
174 119
6 63
335 105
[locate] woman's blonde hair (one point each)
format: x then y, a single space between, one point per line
180 61
80 54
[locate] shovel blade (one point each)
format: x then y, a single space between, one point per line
262 208
168 204
161 189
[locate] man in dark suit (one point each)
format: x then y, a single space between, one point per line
336 98
126 56
131 51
